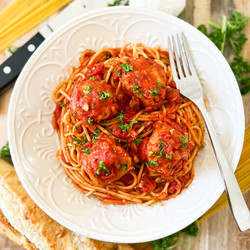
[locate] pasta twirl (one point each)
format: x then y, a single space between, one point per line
127 135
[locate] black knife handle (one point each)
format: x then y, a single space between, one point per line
11 68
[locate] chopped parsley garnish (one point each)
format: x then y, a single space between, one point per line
159 85
169 166
160 153
95 135
119 116
184 139
86 92
152 163
12 49
138 141
117 71
92 78
76 127
79 141
108 55
171 91
117 142
86 150
102 166
154 92
164 143
183 146
62 104
126 67
168 156
126 126
90 121
104 95
124 167
135 88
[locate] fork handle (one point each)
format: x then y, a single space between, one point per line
236 201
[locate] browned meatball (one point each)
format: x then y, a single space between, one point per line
167 147
145 80
92 101
106 162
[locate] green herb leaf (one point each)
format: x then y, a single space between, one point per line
126 67
184 139
135 88
102 166
5 151
154 92
164 143
95 135
138 141
124 167
125 127
116 3
86 92
86 150
119 116
117 71
108 55
229 35
12 49
152 163
168 156
90 121
104 95
80 141
92 78
62 104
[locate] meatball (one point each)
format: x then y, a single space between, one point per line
167 148
92 100
146 81
106 162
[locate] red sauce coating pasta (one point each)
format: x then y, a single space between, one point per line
127 135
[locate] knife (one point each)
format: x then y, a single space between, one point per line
11 68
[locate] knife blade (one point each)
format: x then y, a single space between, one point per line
11 68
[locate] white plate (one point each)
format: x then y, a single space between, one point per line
34 143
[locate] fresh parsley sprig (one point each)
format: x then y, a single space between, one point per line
5 152
172 241
230 36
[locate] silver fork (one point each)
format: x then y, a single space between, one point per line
187 80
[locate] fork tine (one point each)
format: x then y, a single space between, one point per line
177 58
184 62
188 55
171 59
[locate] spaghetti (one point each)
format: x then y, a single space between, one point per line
127 135
22 15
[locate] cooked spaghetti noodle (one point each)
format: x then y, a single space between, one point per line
127 135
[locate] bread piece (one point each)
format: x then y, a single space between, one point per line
31 222
9 231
